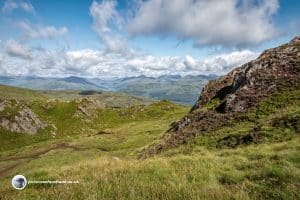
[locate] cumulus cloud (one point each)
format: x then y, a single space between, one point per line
190 62
85 57
10 5
1 61
226 23
15 49
219 64
95 63
205 22
107 24
40 32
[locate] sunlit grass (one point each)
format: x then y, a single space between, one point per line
262 172
102 155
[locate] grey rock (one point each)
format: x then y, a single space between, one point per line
23 121
88 106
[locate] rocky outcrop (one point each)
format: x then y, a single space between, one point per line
245 85
87 107
16 117
238 91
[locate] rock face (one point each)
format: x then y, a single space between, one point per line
244 86
16 117
238 91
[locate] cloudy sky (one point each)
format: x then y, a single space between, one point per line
110 38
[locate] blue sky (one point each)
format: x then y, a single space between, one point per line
131 38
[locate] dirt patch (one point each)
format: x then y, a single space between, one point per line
103 133
11 167
102 149
36 155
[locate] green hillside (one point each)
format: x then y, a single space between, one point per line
8 92
112 99
101 153
241 140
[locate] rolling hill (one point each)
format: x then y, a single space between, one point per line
239 141
43 83
179 89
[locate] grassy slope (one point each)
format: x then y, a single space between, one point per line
110 98
104 158
61 113
8 92
267 171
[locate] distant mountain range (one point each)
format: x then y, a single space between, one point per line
45 83
180 89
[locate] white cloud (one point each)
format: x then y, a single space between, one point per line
219 64
1 61
84 59
94 63
107 24
205 22
15 49
190 62
214 22
40 32
10 5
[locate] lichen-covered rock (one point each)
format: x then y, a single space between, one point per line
16 117
87 107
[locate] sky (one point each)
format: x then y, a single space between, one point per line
110 38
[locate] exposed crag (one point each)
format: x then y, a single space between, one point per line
87 107
16 117
227 99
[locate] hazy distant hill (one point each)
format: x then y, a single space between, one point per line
42 83
172 87
180 89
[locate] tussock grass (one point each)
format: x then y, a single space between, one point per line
254 172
